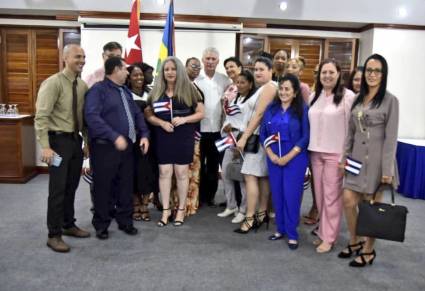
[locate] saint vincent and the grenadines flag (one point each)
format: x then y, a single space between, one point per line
167 48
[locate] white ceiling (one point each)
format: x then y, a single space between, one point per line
352 13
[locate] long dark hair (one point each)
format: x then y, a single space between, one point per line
338 90
297 103
364 87
349 84
250 78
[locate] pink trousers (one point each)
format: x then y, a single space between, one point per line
328 189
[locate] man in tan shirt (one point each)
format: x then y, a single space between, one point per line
58 123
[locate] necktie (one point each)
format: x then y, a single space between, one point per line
74 108
131 129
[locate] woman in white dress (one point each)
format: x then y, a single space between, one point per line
254 167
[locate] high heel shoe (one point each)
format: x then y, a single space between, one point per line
179 222
249 226
262 217
162 223
351 250
363 263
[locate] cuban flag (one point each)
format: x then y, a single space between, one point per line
232 110
352 166
225 143
197 135
165 106
272 139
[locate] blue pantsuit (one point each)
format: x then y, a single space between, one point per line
286 182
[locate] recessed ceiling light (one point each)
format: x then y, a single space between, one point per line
402 12
160 2
283 5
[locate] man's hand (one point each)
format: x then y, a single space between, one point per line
144 145
47 155
120 143
86 151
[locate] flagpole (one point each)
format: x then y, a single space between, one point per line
280 149
234 140
171 108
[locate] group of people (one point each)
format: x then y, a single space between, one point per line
169 140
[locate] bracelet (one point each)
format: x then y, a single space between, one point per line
296 149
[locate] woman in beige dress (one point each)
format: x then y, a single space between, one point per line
372 141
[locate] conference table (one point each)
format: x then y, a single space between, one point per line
411 167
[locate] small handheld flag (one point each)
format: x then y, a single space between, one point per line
232 109
352 166
272 139
197 135
224 143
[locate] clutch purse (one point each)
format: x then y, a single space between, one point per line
382 220
252 144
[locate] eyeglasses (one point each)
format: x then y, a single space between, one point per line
195 67
369 71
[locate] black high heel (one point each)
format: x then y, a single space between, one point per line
265 219
351 250
247 224
162 223
179 222
356 264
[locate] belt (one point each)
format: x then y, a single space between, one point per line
64 133
101 141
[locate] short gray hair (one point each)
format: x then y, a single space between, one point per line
210 50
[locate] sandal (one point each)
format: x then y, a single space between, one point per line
354 248
162 223
179 222
137 216
145 215
308 220
363 262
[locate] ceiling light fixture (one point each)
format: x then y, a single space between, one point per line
283 5
402 12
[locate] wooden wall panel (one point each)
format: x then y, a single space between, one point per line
17 73
46 54
311 52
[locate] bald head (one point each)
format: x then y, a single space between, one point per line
74 58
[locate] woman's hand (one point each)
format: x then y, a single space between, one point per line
178 121
167 126
283 161
241 143
341 167
386 180
227 128
274 158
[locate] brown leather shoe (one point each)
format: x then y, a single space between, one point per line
75 231
57 244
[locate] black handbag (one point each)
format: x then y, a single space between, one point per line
252 144
381 220
233 170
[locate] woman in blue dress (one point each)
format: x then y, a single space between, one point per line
285 135
174 109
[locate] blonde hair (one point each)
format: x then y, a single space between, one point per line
298 60
184 90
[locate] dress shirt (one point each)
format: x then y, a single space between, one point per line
213 89
105 113
54 106
95 77
329 123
